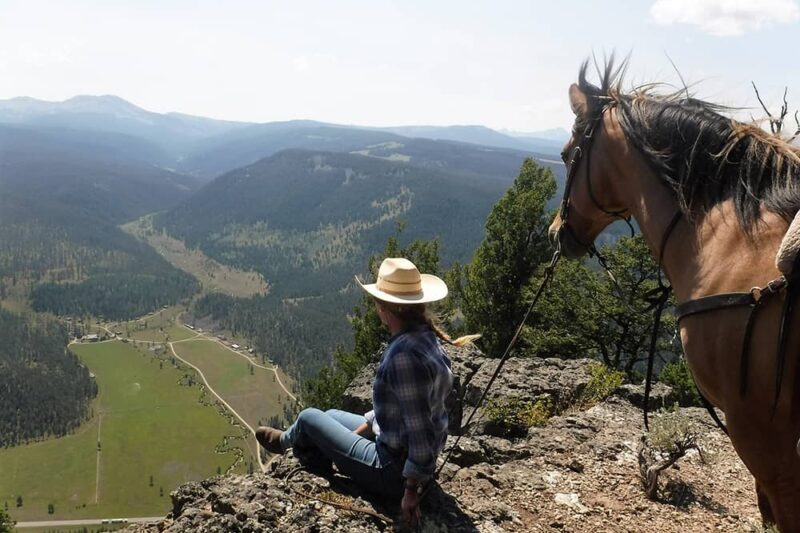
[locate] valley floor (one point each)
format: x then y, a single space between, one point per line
155 424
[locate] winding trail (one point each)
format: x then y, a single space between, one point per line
198 337
222 400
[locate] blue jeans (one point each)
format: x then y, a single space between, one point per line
318 438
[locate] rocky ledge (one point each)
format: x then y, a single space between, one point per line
576 473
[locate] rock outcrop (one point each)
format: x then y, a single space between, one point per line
576 473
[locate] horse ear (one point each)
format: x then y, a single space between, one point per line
578 101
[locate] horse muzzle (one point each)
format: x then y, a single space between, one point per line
570 246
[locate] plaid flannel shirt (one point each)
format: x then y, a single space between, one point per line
408 396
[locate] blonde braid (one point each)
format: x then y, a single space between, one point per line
419 313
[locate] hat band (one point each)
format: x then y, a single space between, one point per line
399 287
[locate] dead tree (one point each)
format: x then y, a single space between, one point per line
776 125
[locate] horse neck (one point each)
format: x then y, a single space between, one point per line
702 256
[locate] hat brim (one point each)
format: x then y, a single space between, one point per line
433 290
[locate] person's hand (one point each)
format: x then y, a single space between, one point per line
364 430
410 507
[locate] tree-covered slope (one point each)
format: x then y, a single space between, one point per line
105 174
62 196
44 390
217 155
308 220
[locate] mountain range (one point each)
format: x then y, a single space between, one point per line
186 137
304 203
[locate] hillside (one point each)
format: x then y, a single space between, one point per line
106 174
307 220
575 472
62 195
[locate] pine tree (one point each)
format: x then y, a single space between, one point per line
516 243
6 523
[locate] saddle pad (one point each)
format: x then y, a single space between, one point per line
790 246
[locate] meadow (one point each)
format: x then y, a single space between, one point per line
149 432
213 276
251 390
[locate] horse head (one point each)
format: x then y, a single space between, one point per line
593 191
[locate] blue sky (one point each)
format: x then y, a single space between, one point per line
505 64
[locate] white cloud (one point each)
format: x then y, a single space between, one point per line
725 17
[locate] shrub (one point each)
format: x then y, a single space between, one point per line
512 417
678 376
602 382
672 434
6 524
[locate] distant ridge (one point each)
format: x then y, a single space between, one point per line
477 134
173 131
189 136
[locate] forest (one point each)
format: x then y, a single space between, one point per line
44 390
80 264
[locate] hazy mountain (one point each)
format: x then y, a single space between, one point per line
480 135
171 131
197 140
215 156
559 135
109 174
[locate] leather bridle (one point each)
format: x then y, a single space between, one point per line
584 147
658 297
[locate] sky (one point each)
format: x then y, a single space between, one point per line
501 63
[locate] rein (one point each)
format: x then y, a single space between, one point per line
577 153
659 296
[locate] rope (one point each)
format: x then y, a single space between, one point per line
548 274
340 505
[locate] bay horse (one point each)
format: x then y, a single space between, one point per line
713 198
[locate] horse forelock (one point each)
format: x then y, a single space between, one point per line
702 154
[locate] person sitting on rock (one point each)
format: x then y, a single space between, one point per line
392 449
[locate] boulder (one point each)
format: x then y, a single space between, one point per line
661 395
527 379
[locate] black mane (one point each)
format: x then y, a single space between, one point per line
704 156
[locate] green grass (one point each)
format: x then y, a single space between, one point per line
149 426
214 276
256 397
169 333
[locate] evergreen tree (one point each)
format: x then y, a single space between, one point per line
584 313
6 523
516 243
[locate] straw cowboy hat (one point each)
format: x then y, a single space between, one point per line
399 282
